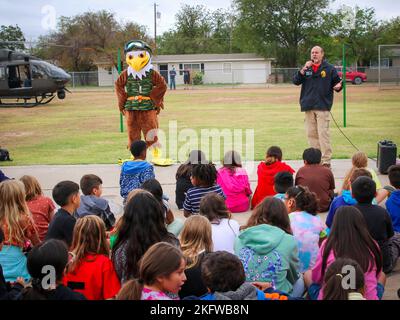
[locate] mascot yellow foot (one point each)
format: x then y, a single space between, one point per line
158 161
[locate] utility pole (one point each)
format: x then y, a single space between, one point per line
230 33
155 26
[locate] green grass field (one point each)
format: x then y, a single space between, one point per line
84 128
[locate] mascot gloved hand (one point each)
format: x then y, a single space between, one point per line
140 90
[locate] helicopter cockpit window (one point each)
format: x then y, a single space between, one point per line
38 73
50 70
2 73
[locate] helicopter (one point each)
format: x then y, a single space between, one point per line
30 79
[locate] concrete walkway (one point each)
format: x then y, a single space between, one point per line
49 175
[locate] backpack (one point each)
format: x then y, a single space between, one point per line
4 155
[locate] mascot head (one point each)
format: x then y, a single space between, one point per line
138 57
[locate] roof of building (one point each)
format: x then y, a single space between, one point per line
182 58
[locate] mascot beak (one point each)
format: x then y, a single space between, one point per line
137 59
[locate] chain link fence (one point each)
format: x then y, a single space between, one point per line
250 77
84 79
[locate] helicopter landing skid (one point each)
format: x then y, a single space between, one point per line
41 100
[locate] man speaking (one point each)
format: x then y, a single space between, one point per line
318 79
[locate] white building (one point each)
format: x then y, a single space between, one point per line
235 68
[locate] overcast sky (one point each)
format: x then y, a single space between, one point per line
38 16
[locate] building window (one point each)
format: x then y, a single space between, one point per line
385 63
192 67
227 67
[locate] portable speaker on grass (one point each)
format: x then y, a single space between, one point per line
387 151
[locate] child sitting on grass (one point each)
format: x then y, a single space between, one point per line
333 286
66 195
174 225
41 207
266 172
54 254
183 174
91 201
234 181
161 273
349 227
225 279
91 272
307 227
393 202
317 177
204 177
8 292
345 199
282 182
378 221
359 160
196 243
19 230
137 171
224 229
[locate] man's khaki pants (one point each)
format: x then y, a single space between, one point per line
317 128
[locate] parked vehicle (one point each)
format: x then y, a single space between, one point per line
355 77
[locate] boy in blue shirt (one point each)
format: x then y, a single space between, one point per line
345 199
282 182
137 171
393 202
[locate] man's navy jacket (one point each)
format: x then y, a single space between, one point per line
317 88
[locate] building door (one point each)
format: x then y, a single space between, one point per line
164 71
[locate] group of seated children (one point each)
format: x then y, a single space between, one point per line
284 251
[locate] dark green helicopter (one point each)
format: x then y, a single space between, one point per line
29 81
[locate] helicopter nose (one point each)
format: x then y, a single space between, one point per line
63 78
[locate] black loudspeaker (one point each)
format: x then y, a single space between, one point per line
387 151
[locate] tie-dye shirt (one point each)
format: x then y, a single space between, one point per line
307 230
148 294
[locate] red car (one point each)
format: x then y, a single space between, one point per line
355 77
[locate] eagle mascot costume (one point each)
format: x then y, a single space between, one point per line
140 90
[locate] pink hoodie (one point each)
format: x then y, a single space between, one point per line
370 278
236 187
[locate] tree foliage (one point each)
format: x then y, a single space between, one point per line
198 30
82 40
9 34
278 28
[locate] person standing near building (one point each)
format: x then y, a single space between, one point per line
172 75
318 80
186 78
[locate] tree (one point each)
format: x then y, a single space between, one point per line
278 27
82 40
11 33
389 32
198 30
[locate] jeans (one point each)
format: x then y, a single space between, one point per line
298 287
172 83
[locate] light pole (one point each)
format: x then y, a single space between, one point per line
157 15
155 26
